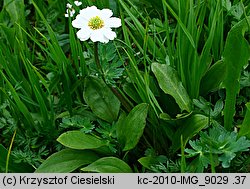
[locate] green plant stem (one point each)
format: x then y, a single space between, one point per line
97 61
120 97
183 159
8 155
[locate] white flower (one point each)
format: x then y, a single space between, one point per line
77 3
69 6
70 12
96 24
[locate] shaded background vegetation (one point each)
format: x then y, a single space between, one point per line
182 68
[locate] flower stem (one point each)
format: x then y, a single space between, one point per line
97 61
120 97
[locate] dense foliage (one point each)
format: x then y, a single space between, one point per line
171 93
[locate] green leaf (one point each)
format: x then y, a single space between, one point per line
101 100
234 145
152 161
227 4
83 123
15 9
22 107
147 162
182 25
217 145
131 129
66 161
213 78
197 165
13 167
169 82
236 55
108 165
189 128
245 127
80 141
130 90
8 33
166 117
237 10
141 31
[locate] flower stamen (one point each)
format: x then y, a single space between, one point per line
96 23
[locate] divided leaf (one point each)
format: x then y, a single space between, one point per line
219 144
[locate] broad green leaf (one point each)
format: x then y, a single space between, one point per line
245 127
80 141
152 161
101 100
8 33
148 162
189 128
66 161
15 9
169 82
108 165
13 167
131 129
236 55
213 78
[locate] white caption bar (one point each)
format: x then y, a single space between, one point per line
133 180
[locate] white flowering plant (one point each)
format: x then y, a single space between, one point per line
96 24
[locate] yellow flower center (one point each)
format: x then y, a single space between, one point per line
96 23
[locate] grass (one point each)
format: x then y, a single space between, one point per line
169 94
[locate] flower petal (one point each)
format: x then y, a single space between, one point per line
97 35
89 12
70 12
109 34
113 22
77 3
69 6
83 34
79 22
105 13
